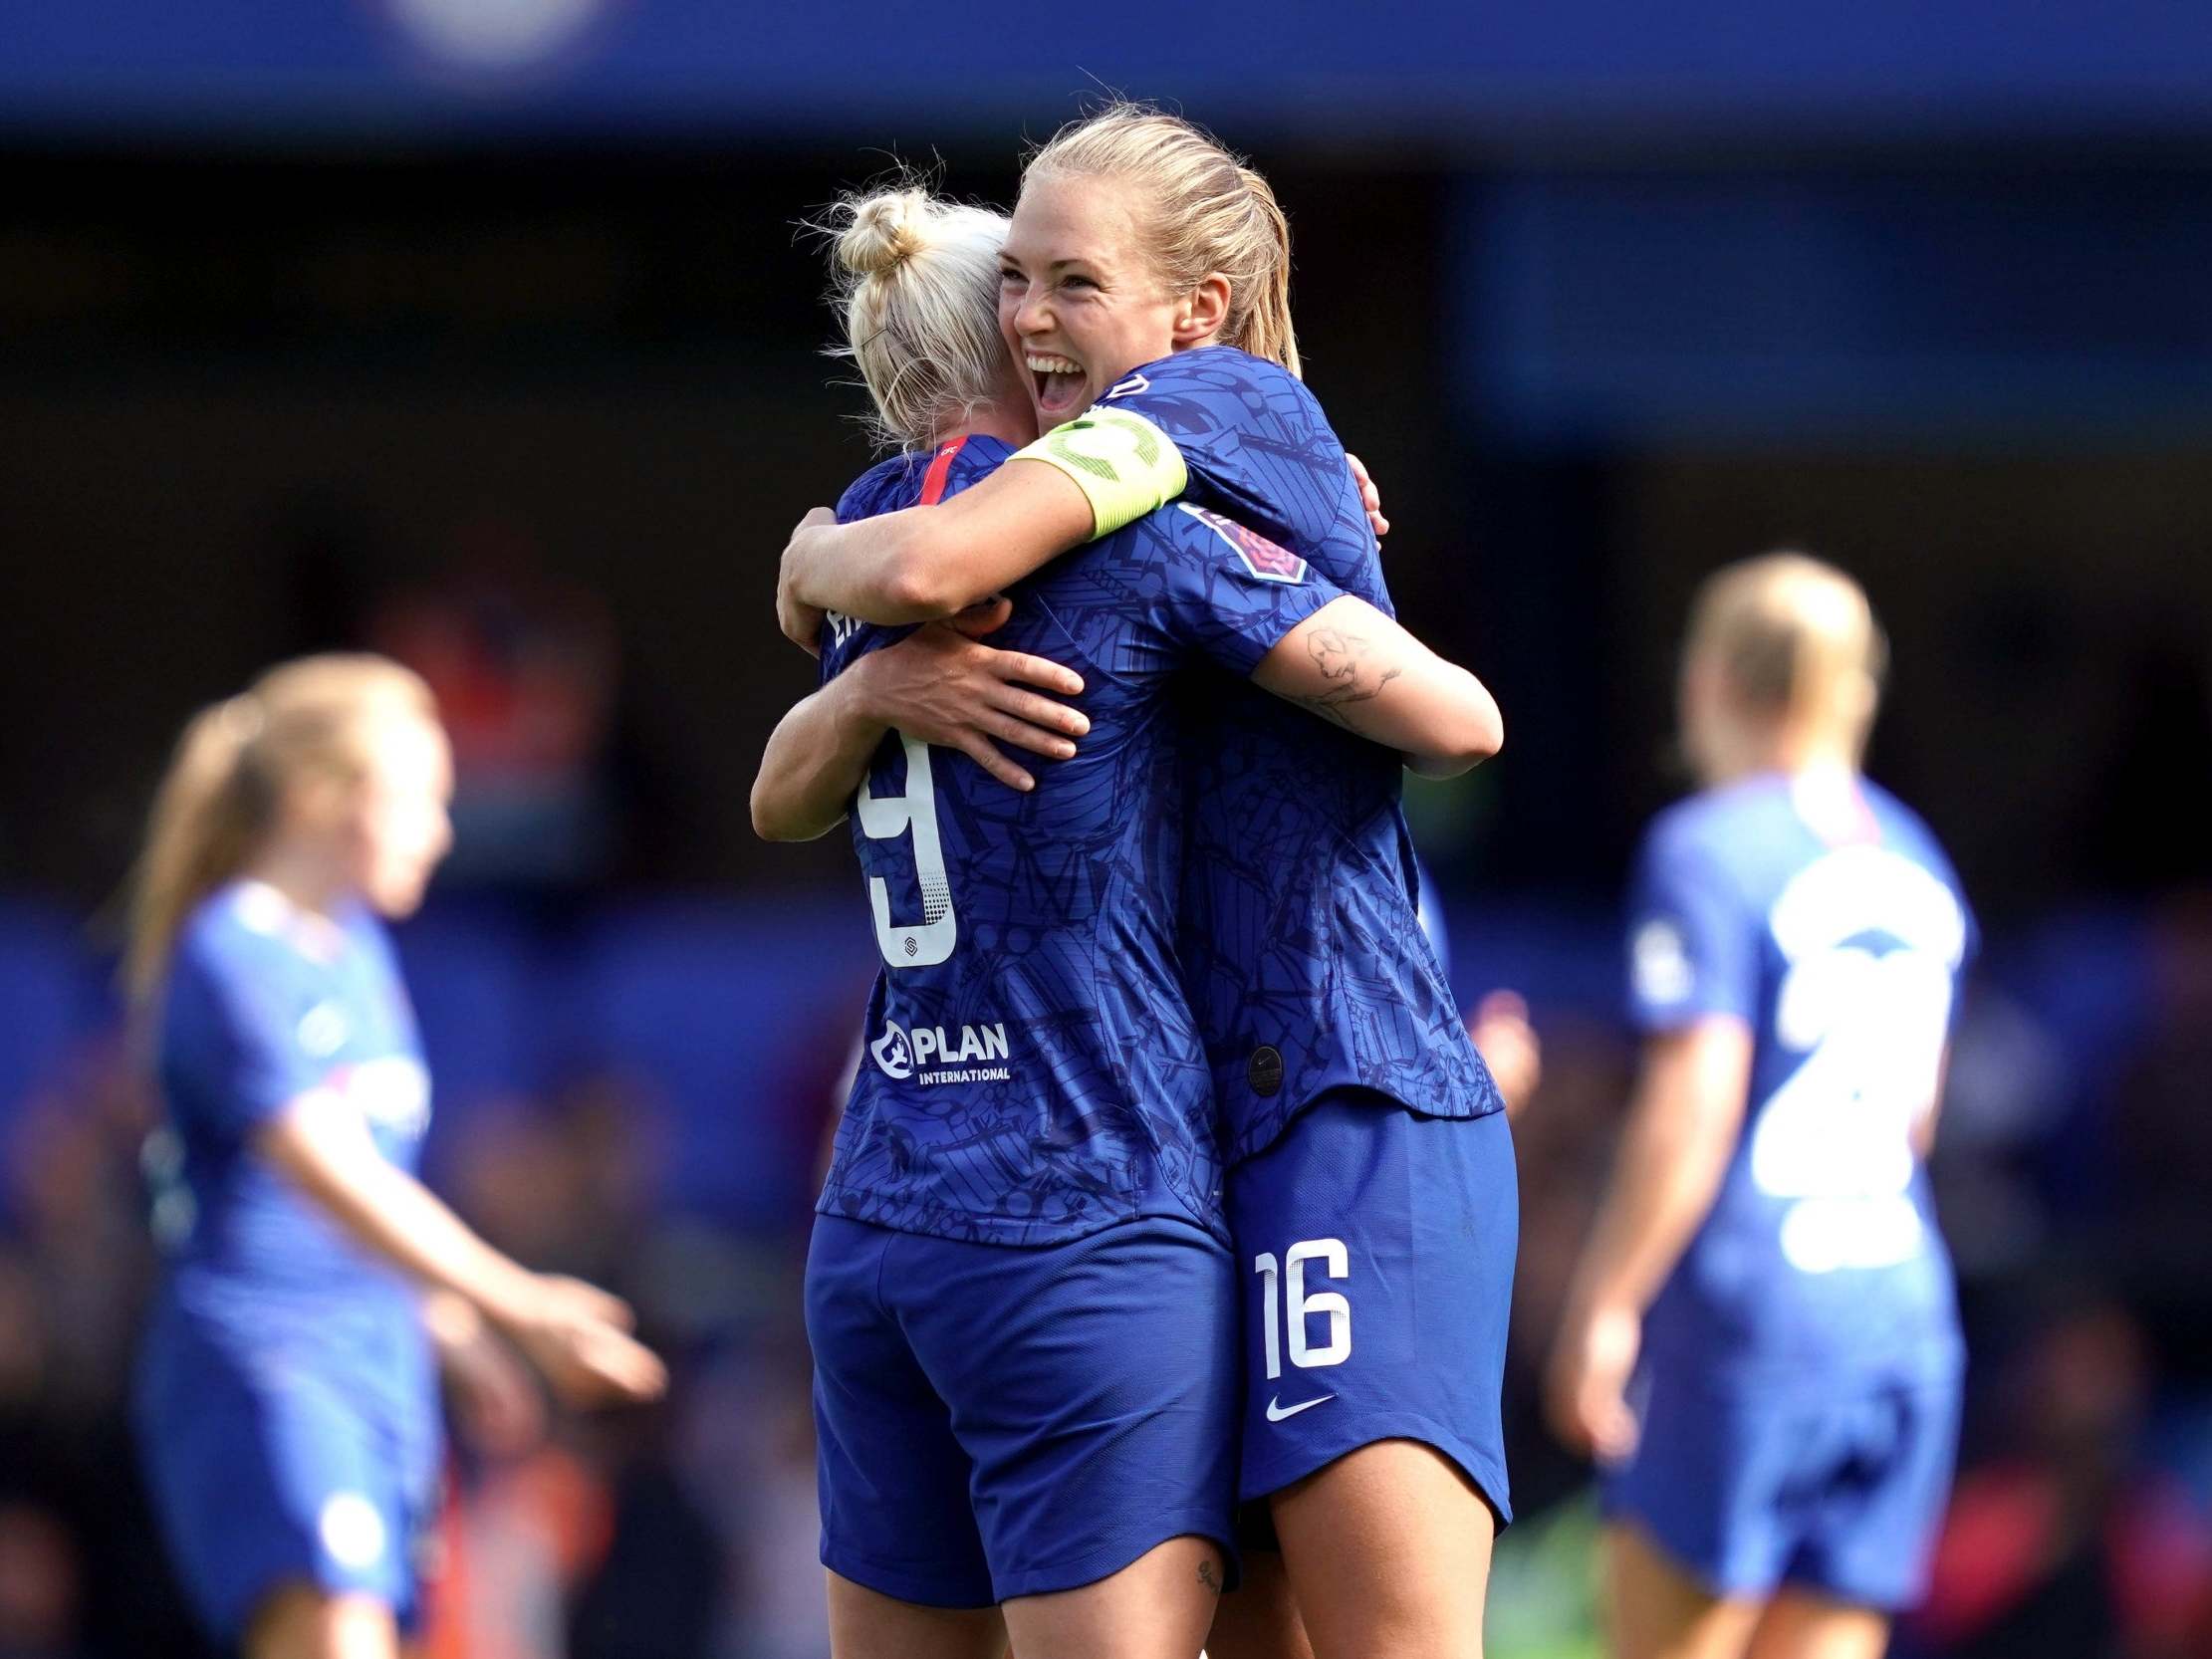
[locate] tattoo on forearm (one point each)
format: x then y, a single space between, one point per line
1336 654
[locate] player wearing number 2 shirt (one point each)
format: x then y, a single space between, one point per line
1803 1357
1796 941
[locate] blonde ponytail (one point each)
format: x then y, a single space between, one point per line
918 285
202 824
1209 213
1267 330
228 775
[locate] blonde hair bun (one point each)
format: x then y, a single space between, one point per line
917 280
881 232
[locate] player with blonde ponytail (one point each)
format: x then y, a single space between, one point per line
1767 1265
1022 1310
285 1402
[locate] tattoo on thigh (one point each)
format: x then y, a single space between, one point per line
1209 1577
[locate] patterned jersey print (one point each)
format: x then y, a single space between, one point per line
263 1006
1830 923
1032 1070
1301 940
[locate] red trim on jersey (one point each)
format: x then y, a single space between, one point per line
934 482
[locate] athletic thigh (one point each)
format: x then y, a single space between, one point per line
1158 1606
1801 1625
1259 1619
1387 1549
299 1621
866 1625
1656 1609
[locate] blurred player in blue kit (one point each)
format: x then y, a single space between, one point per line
287 1398
1762 1344
1371 1183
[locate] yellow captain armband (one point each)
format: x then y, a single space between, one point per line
1124 464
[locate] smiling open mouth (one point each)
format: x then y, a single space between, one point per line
1059 384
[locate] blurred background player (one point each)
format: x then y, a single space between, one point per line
1145 291
287 1404
1762 1344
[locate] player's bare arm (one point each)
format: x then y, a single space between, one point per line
923 564
576 1334
919 565
1353 666
938 686
1682 1129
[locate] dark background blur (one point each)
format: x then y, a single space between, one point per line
482 331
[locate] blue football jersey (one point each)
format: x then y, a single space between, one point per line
261 1007
1829 921
1302 941
1033 1071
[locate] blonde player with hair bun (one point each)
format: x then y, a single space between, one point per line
917 280
1762 1344
286 1405
1019 1295
1144 293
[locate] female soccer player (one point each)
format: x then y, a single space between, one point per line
286 1405
1767 1265
1145 281
1050 1426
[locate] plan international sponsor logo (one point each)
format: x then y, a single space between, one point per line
932 1054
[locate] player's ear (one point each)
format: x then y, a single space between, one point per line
1203 311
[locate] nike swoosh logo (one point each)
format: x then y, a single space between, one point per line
1276 1411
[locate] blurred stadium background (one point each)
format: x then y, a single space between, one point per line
479 332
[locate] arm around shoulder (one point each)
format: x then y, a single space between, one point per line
923 564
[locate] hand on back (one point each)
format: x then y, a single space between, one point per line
942 685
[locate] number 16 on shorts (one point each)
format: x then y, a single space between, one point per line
1286 1304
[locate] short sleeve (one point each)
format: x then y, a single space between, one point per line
1693 948
1230 593
1258 447
271 1033
1124 465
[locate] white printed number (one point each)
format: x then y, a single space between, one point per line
1289 1285
907 944
1835 1141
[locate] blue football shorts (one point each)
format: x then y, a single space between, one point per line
997 1421
1376 1246
1837 1488
266 1468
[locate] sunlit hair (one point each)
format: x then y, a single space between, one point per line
918 287
1205 212
310 717
1794 640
